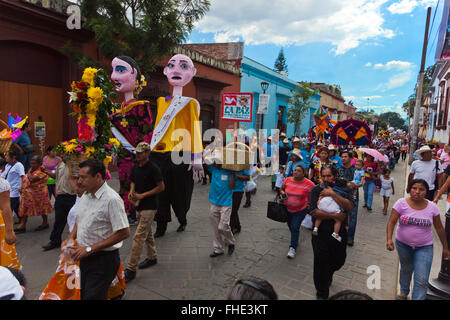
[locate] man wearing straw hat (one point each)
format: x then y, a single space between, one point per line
427 169
221 197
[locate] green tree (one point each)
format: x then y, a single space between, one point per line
411 103
394 119
142 29
280 63
299 103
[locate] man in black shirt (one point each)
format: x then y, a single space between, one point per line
347 171
146 182
284 152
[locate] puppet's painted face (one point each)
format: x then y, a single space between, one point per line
180 70
123 76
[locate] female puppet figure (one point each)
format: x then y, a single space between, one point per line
177 145
132 122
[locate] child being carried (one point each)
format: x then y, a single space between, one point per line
328 205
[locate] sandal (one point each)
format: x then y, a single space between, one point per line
41 227
20 230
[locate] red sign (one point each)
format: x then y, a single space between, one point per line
237 106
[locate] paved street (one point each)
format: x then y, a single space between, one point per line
185 270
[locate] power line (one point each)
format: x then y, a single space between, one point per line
431 29
432 23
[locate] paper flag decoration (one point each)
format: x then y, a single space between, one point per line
20 124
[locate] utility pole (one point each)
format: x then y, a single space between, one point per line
413 138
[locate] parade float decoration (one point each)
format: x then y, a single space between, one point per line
91 100
351 132
321 131
11 131
132 121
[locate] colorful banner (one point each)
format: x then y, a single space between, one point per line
237 106
443 45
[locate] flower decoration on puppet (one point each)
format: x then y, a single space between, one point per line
85 99
91 100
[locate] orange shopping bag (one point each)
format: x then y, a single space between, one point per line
65 284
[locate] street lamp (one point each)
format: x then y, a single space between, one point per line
264 87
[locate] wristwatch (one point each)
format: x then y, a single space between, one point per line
88 249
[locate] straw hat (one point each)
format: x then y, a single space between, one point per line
297 153
332 147
296 139
285 141
424 149
283 134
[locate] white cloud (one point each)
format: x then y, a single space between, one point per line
344 24
408 6
404 73
368 64
395 64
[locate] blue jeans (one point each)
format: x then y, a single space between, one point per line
352 222
294 223
417 260
369 189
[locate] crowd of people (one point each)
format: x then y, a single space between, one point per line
317 182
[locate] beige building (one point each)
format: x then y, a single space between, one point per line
332 100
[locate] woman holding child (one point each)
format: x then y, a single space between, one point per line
329 253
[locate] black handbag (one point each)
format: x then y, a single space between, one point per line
277 211
29 148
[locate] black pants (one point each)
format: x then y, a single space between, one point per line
63 204
207 174
234 218
329 256
403 155
97 272
15 203
430 195
178 192
51 190
248 196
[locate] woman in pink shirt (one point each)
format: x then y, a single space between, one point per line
297 189
414 238
445 157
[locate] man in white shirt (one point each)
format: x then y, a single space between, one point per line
14 172
427 169
101 226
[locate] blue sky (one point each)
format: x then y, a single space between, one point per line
371 48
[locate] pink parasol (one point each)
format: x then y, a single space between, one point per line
374 153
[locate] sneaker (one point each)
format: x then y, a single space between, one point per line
291 253
315 231
132 222
365 206
350 243
369 208
147 263
336 236
129 275
181 228
215 254
246 205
